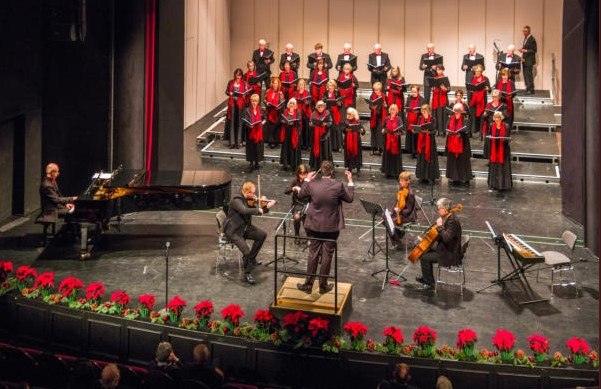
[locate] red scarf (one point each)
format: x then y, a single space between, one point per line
478 99
288 89
256 132
412 116
497 146
423 139
439 97
392 140
334 109
317 91
230 100
455 142
304 108
318 131
294 129
349 92
352 140
506 87
255 87
274 98
394 96
489 107
374 115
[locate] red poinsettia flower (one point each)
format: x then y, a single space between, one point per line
293 319
25 272
424 335
176 304
147 300
578 346
394 333
233 313
204 308
318 324
94 291
504 340
44 280
263 316
355 329
68 285
6 267
120 297
466 338
538 344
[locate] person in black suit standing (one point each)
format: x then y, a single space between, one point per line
379 65
54 204
316 56
509 60
429 71
324 220
469 61
528 51
346 57
448 249
263 58
290 56
238 226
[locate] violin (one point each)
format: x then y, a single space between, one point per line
401 197
429 238
254 201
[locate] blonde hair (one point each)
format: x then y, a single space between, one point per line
505 72
479 67
301 81
254 97
498 114
393 106
426 107
320 103
248 187
494 93
347 66
377 85
405 176
332 82
292 101
318 46
353 111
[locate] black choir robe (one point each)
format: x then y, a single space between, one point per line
254 140
507 87
293 58
428 73
337 118
353 156
487 120
469 74
392 163
427 167
312 62
290 154
320 149
502 63
376 120
235 106
352 59
411 118
272 126
350 93
499 166
260 64
382 73
458 150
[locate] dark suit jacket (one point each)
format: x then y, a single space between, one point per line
409 213
530 55
385 62
503 63
428 72
260 61
469 75
449 242
294 61
312 61
239 216
325 208
53 203
352 60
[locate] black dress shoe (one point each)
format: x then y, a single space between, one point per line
304 287
421 280
249 279
326 289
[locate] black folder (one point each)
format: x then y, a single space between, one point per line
421 128
257 79
475 88
345 84
319 83
438 81
377 102
278 107
437 60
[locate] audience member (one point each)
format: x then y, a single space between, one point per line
165 359
201 369
109 378
400 378
443 383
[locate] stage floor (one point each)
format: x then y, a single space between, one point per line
133 260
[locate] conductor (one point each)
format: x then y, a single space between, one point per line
324 220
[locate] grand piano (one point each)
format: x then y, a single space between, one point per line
110 195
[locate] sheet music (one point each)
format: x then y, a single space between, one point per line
492 232
103 176
389 222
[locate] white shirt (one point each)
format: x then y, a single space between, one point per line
378 59
346 57
508 59
472 57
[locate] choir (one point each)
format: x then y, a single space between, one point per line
319 114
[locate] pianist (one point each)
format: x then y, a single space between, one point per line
54 204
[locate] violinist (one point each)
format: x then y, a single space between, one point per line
302 172
404 207
448 250
238 226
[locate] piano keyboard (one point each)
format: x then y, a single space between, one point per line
523 250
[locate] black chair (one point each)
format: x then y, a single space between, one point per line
53 371
193 384
17 365
158 380
129 377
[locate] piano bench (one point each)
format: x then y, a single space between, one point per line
45 233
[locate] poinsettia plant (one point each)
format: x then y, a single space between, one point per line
175 308
146 303
539 346
579 349
318 329
44 282
265 325
69 287
356 332
25 276
425 339
5 268
393 340
119 299
204 309
294 326
504 341
94 292
231 318
466 341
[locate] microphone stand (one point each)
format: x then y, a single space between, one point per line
167 245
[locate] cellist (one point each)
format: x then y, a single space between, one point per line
448 250
404 208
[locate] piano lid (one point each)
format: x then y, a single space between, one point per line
203 179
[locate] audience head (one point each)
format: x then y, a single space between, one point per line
327 168
110 376
201 353
443 383
164 349
401 372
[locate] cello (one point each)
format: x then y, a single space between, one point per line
429 238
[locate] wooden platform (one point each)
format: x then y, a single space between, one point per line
289 298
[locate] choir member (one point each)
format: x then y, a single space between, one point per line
379 65
499 167
254 119
506 87
348 85
289 56
429 71
314 57
263 58
377 106
320 124
469 61
392 163
459 99
413 111
427 169
252 79
440 101
290 154
346 57
496 105
318 80
458 148
303 99
478 99
353 156
302 172
289 80
395 87
236 91
334 104
274 104
528 51
509 60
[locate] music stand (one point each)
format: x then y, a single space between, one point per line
282 224
374 210
390 229
432 200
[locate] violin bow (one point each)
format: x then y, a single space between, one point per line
259 189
